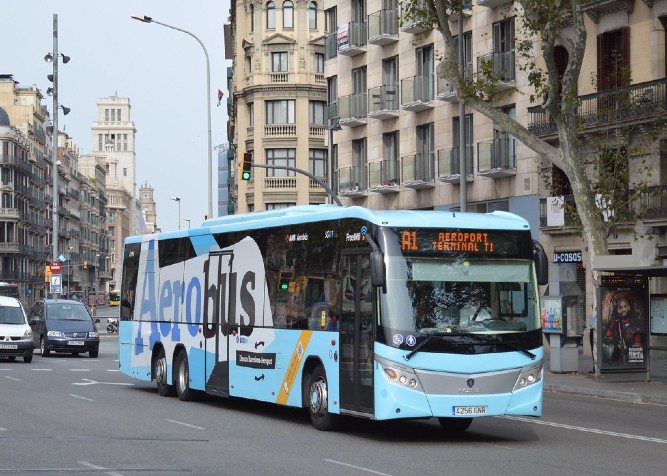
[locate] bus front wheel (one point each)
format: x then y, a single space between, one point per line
160 375
455 425
183 377
317 399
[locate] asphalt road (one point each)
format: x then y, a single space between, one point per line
69 415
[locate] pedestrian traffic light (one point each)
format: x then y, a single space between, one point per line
246 165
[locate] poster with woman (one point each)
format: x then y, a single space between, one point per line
622 329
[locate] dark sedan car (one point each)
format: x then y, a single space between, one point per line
62 325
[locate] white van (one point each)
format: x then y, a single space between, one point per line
15 333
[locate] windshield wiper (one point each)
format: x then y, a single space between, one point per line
510 344
428 338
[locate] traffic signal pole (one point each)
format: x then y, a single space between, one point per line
330 192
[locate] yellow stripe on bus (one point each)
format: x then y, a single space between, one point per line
293 367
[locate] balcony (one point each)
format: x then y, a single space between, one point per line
351 38
280 130
413 20
279 77
492 3
332 116
417 171
445 90
499 68
352 110
9 214
280 184
383 102
417 93
449 165
643 102
497 158
331 46
383 27
383 176
352 182
316 130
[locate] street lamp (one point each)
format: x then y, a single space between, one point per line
178 199
188 220
147 19
53 58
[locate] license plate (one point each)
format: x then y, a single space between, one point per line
9 346
76 342
471 410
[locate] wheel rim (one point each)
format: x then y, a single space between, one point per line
42 346
161 370
318 396
183 376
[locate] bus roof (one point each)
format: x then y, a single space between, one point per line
313 213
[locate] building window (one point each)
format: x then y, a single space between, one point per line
271 16
99 142
318 61
288 14
312 15
251 114
359 159
113 115
318 162
331 20
316 112
284 157
280 112
106 115
252 18
614 59
390 150
118 115
278 206
279 62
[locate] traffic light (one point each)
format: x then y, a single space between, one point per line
85 265
246 165
284 280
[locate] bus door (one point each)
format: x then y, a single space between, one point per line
216 311
357 334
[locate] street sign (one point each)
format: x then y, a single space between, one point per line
56 267
56 284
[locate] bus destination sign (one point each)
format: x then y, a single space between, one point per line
507 243
474 242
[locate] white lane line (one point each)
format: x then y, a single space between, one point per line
79 370
94 466
185 424
113 370
13 378
3 429
82 398
356 467
42 370
588 430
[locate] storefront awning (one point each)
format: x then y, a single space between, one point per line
627 264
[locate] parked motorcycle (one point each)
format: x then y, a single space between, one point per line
112 325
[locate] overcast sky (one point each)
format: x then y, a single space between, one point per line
161 70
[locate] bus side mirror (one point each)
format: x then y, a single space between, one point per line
541 263
377 269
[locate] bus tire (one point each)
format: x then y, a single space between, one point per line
317 399
455 425
164 389
182 377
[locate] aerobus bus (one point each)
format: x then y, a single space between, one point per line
114 297
342 311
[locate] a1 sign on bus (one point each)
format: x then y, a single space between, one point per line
56 267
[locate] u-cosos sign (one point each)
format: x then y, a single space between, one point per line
567 257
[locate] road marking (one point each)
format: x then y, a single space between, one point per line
87 381
3 429
82 398
79 370
13 378
94 466
588 430
113 370
42 370
356 467
185 424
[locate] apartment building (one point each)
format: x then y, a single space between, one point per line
279 93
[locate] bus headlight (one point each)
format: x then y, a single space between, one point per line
529 375
399 374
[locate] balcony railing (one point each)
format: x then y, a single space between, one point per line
352 38
445 89
417 92
383 27
331 46
352 181
417 171
281 77
332 116
416 24
449 165
383 102
383 176
497 158
280 130
501 67
280 183
352 110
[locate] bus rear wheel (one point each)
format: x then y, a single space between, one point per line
318 403
164 389
455 425
183 377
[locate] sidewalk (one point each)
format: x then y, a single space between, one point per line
631 387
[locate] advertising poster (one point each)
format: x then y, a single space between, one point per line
622 335
552 314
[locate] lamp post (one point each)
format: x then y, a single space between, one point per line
147 19
53 58
188 220
178 200
69 267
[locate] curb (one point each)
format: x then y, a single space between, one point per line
608 394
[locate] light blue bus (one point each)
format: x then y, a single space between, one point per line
342 311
